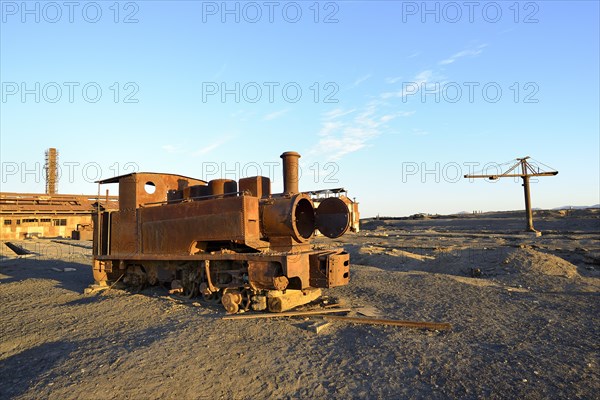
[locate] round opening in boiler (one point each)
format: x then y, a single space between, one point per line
304 216
333 217
150 187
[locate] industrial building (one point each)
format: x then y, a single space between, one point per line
26 215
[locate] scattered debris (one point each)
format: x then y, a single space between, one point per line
176 287
100 287
289 314
475 272
436 326
319 326
95 289
331 302
369 311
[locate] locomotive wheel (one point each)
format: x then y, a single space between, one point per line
207 295
230 306
136 278
152 275
213 298
191 293
231 300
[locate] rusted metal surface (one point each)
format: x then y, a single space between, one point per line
320 196
84 231
290 172
222 186
333 217
288 217
257 186
330 269
266 275
238 247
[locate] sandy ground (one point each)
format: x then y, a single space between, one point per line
528 327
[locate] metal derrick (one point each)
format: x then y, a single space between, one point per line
527 170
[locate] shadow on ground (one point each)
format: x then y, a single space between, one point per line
22 371
77 277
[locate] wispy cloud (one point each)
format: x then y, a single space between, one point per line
346 131
242 115
169 148
389 117
207 149
393 80
330 127
275 114
341 136
465 53
337 113
424 76
421 78
172 149
360 80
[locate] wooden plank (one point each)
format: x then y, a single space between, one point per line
407 324
288 314
317 328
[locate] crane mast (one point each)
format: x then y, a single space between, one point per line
526 172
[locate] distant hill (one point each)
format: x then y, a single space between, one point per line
495 213
576 207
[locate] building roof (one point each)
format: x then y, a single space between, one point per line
36 203
115 179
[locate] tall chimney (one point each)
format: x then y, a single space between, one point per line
290 172
51 167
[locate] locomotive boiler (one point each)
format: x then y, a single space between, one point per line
228 241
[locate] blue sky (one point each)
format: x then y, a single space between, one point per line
393 100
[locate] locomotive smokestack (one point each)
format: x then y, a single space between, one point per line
290 172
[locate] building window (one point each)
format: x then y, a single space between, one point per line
59 222
18 222
45 220
7 222
30 220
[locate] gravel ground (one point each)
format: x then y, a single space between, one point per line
527 327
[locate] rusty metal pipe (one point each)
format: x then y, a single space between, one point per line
290 172
293 217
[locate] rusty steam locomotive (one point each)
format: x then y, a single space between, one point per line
227 241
